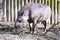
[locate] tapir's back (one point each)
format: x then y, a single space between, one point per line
37 10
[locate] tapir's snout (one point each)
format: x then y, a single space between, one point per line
18 24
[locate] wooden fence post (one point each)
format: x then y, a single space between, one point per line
5 18
15 9
12 10
19 5
52 11
9 11
55 11
22 2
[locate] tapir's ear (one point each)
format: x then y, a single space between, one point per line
20 13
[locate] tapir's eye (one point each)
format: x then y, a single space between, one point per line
19 20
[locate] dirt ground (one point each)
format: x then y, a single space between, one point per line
22 33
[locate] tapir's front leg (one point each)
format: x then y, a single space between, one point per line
45 24
29 28
33 27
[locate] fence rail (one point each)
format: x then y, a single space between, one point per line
10 8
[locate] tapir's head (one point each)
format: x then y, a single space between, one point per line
21 19
19 23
